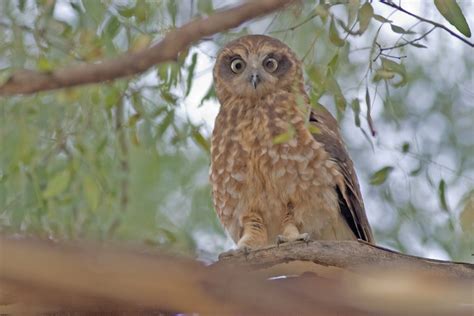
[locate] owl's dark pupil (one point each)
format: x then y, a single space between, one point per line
269 64
238 66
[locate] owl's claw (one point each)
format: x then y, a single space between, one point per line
301 237
245 250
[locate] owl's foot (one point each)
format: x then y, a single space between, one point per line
299 237
245 250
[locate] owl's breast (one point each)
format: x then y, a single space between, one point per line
264 160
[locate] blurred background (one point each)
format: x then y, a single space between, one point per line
127 161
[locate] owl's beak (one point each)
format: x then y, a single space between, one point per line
255 80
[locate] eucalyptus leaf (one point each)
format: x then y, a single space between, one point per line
453 13
442 195
400 30
366 13
58 184
380 176
334 35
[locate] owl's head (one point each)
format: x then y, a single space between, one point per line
253 66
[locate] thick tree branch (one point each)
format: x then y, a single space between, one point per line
39 277
27 81
348 255
390 3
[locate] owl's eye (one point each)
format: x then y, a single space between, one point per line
237 65
270 64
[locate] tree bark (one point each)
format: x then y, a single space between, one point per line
322 278
348 255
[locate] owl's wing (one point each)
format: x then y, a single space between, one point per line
350 198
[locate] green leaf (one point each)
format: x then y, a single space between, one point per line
191 69
383 74
211 93
205 6
91 192
57 184
334 35
381 19
285 137
355 105
332 66
126 12
352 11
400 30
399 69
453 13
388 71
112 27
112 97
168 96
418 45
381 175
466 218
173 11
201 141
340 102
322 10
21 5
367 98
169 118
313 129
142 11
405 147
44 64
366 13
442 195
333 87
417 170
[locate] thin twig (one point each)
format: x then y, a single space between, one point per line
294 27
370 122
381 53
382 49
436 24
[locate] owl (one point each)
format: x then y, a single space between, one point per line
279 168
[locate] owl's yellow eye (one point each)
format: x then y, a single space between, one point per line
237 65
270 64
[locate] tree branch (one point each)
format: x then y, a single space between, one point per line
436 24
42 277
27 81
349 255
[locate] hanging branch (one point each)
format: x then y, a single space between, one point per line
168 49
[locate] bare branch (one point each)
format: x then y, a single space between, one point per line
436 24
27 81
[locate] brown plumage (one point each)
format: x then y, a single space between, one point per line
267 186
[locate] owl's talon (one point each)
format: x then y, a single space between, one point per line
281 240
227 254
245 250
305 237
301 237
